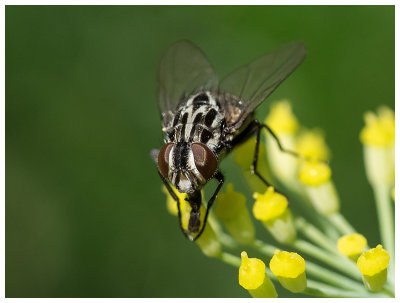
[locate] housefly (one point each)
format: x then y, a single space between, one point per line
203 119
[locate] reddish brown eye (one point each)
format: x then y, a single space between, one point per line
163 159
205 160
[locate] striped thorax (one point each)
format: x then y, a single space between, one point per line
193 143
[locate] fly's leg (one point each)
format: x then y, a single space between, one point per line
275 137
174 196
281 148
220 178
259 126
255 158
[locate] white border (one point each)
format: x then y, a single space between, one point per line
159 2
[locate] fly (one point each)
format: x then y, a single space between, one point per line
203 119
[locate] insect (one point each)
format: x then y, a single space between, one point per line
203 119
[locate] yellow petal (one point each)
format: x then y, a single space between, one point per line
351 245
269 205
287 264
281 118
251 272
315 173
373 261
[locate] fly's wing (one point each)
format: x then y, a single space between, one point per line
184 70
250 85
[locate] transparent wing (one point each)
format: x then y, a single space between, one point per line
184 70
253 83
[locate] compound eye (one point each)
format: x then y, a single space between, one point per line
205 160
163 159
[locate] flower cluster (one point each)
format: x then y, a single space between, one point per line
347 266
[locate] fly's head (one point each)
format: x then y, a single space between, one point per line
188 166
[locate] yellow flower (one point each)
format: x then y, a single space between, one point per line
209 243
316 176
281 118
290 268
253 278
351 245
378 137
373 261
379 129
311 144
269 205
284 124
272 209
231 209
373 266
315 173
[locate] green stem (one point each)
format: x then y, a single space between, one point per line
230 259
318 289
389 290
332 277
227 241
264 248
386 224
341 224
331 232
312 233
338 262
385 216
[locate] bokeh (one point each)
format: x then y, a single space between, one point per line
85 215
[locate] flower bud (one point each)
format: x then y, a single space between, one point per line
290 268
352 245
373 266
284 124
316 176
253 278
272 209
231 209
378 137
311 145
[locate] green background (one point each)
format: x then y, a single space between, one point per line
85 216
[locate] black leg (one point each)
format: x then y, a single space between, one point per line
220 178
259 126
255 158
256 127
174 196
282 149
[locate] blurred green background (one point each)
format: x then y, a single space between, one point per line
85 216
